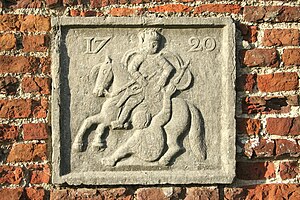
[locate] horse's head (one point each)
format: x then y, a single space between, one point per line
104 77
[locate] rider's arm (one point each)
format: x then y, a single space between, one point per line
133 67
167 69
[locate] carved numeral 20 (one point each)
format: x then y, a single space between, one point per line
207 44
95 44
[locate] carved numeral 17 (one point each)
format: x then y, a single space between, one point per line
95 44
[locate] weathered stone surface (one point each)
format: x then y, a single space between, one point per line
146 112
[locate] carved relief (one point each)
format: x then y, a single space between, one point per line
140 98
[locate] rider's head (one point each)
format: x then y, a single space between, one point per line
141 119
149 40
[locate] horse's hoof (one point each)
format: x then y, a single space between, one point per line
77 147
98 146
117 125
108 161
164 161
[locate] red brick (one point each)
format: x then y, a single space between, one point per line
95 3
235 193
283 126
70 2
261 148
74 13
36 85
293 100
88 13
260 58
11 193
18 64
40 108
27 152
35 23
53 3
124 1
171 8
271 13
150 193
8 85
8 132
66 194
35 43
265 191
136 1
9 22
27 4
289 146
291 57
278 82
267 105
35 193
218 8
281 37
288 170
16 108
255 171
46 65
118 12
249 33
246 82
11 174
7 42
248 126
23 108
203 193
158 193
279 191
39 174
115 193
35 131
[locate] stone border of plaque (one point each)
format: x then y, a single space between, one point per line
63 144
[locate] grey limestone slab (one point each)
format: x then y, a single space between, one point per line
143 100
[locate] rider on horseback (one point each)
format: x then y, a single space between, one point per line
150 71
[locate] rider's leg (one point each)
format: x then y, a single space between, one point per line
88 122
129 106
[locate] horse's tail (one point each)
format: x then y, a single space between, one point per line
197 133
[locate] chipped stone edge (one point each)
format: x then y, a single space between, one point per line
224 175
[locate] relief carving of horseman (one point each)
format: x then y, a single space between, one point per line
141 98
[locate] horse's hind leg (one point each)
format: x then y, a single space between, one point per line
178 124
87 123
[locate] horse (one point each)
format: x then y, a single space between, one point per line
114 83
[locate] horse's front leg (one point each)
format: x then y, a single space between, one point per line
99 143
87 123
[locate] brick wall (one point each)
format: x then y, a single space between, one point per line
268 113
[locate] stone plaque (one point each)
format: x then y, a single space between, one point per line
143 100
